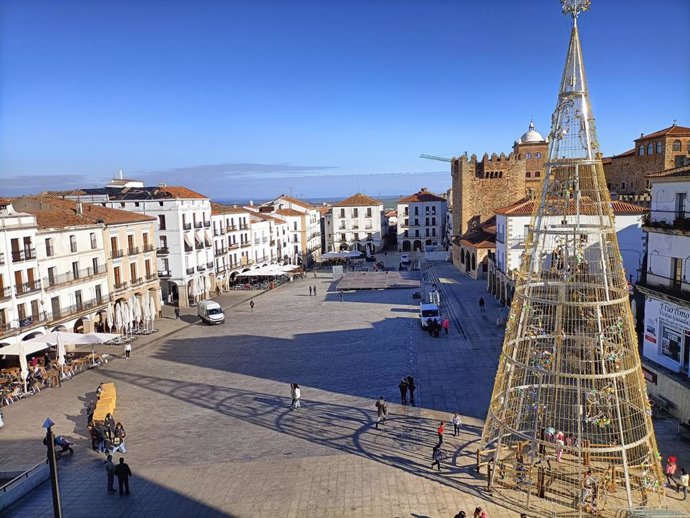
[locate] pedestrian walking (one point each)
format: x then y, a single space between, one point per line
436 455
314 291
403 391
341 295
89 412
481 304
430 326
411 387
296 395
177 313
440 430
292 396
310 291
381 411
437 328
128 350
109 424
446 325
122 472
671 471
251 305
456 424
110 473
684 479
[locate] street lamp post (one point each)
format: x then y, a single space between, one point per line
52 462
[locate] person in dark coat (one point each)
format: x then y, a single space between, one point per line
109 424
381 411
411 388
403 391
89 412
122 472
110 472
481 304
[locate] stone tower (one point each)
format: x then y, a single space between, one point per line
569 429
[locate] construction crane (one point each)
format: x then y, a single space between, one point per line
432 157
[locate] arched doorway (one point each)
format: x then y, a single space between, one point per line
474 262
467 260
406 247
191 292
417 245
79 326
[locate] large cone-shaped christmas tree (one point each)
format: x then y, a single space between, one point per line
569 428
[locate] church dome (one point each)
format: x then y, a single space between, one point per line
532 135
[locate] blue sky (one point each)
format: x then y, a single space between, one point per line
241 99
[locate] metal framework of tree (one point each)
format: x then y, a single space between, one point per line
569 428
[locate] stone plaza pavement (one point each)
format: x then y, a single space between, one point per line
210 432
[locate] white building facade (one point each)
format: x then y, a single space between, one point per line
421 221
185 241
666 287
357 225
307 238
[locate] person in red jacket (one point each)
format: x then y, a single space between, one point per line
441 429
446 325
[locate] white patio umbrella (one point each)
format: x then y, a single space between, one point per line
137 310
61 338
145 311
152 311
109 316
118 317
125 316
23 349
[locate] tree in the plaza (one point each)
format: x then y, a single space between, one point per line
569 427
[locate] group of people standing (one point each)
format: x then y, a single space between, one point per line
434 326
670 471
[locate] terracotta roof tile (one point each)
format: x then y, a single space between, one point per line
671 131
422 196
295 201
683 170
54 212
358 200
525 207
266 217
181 192
219 208
289 212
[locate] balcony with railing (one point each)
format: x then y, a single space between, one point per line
148 248
137 282
210 265
672 287
115 254
25 324
233 246
151 276
73 310
231 227
5 293
2 258
245 244
27 288
198 224
670 222
162 250
164 274
190 271
207 224
55 281
200 268
120 286
221 268
186 226
221 251
133 251
23 255
244 226
188 248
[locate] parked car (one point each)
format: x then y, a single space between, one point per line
210 312
404 258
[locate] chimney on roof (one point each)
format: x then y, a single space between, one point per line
251 203
121 176
79 208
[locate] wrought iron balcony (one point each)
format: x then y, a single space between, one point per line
190 271
163 274
5 293
117 253
23 255
70 277
207 224
133 251
162 250
149 248
186 226
27 288
198 224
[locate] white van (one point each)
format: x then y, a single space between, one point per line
210 312
428 311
